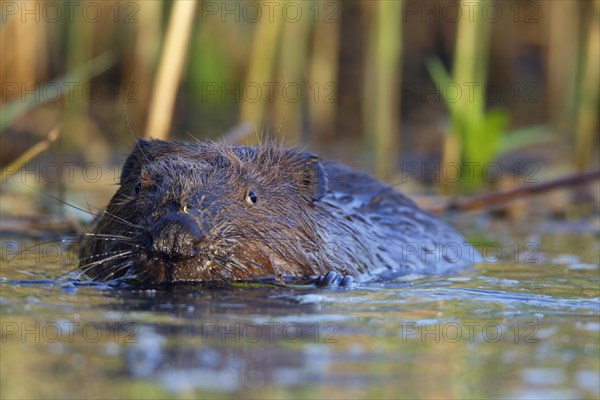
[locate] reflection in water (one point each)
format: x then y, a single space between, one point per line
499 329
228 339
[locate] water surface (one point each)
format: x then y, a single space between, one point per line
525 324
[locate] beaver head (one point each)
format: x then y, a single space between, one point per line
206 211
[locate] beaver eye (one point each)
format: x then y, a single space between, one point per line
251 197
138 187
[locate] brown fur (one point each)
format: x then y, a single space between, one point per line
310 217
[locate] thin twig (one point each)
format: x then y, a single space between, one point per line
495 198
31 153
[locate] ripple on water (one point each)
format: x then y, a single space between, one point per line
588 326
142 358
565 259
184 380
543 376
370 320
588 380
583 267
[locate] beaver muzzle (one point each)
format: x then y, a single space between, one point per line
175 237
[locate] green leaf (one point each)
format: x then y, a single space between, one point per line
442 79
524 137
484 140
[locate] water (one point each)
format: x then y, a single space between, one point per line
526 325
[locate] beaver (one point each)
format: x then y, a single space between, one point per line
212 212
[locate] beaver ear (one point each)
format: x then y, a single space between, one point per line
135 159
313 178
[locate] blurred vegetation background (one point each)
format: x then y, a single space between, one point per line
400 88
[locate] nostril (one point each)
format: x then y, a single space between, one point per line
175 236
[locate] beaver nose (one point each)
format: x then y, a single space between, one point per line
175 236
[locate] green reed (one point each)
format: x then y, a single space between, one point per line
474 134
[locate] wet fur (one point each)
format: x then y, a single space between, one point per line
310 218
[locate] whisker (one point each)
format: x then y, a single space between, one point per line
69 204
82 269
126 222
85 268
120 267
108 253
